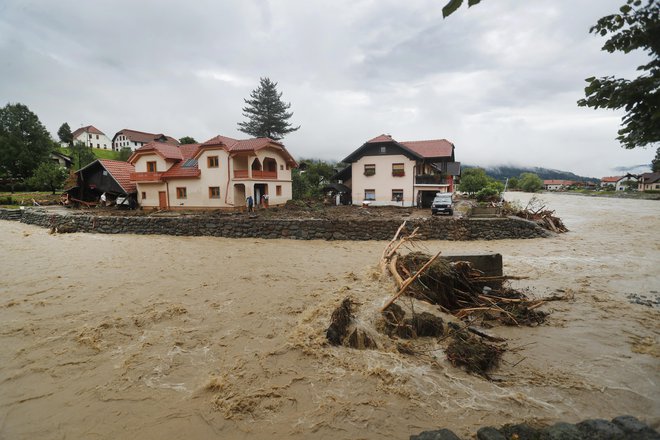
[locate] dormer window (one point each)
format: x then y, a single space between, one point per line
383 150
151 167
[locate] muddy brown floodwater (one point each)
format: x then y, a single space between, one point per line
152 337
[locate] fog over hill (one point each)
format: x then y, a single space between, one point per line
502 172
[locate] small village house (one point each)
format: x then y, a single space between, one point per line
134 139
609 181
111 177
649 182
629 181
219 173
61 159
557 185
384 171
92 137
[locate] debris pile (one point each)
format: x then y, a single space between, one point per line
537 212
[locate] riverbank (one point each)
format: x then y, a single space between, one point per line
121 336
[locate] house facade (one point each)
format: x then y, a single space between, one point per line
92 137
384 171
111 177
557 185
629 181
134 139
220 173
61 159
609 181
649 182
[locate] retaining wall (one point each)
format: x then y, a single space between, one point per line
303 229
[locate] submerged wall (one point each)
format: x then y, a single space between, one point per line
433 228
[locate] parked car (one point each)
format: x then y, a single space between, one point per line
443 202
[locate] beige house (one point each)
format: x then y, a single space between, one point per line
386 172
92 137
649 182
220 173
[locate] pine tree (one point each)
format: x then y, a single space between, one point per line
266 112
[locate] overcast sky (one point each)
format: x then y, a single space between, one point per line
500 80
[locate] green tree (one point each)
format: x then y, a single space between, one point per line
266 113
124 154
453 5
308 183
634 27
514 183
187 140
655 163
48 175
530 182
65 135
473 180
82 155
24 142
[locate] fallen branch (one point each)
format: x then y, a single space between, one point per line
409 281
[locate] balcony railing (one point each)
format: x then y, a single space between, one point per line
146 176
241 174
264 174
431 179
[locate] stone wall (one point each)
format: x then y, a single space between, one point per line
433 228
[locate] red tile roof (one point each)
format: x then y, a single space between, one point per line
611 179
430 148
558 182
179 171
121 172
188 151
254 144
144 137
381 138
88 129
166 151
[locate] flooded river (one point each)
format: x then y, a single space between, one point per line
152 337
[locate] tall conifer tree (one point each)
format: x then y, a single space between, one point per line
266 113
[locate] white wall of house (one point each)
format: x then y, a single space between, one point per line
100 141
622 185
383 183
161 164
150 192
122 141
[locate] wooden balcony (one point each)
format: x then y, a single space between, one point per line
145 177
256 174
431 179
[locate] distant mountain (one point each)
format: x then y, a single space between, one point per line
502 172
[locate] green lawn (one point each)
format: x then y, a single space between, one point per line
9 200
100 154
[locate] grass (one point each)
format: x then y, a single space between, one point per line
14 200
99 153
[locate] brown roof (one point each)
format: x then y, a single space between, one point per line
88 129
430 148
144 137
381 138
121 172
650 177
254 144
558 182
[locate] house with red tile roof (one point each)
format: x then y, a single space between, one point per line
609 181
219 173
134 139
92 137
384 171
557 185
111 177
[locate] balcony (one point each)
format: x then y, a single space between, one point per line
431 179
256 174
146 177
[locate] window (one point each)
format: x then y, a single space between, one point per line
383 150
212 162
151 167
397 195
97 136
181 192
398 170
287 167
214 192
278 190
369 169
144 195
369 194
98 145
281 167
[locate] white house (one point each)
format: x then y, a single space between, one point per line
220 173
134 139
627 181
92 137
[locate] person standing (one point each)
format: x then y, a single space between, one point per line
250 203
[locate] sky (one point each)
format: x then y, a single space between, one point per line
499 80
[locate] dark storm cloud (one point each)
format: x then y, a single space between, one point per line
500 79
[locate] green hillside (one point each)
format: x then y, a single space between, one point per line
100 154
502 172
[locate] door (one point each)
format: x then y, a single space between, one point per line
162 199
